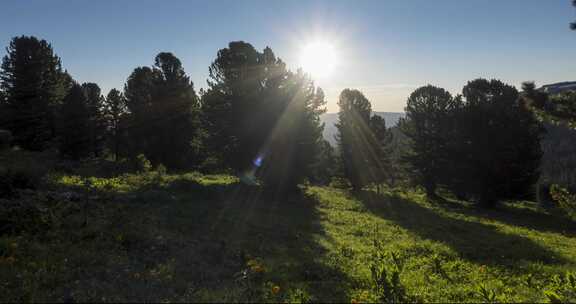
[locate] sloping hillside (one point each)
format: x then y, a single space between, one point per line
154 237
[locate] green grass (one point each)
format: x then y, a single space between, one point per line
154 237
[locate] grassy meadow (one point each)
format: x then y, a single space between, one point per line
191 237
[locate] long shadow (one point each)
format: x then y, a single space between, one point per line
285 232
231 224
521 217
473 241
208 233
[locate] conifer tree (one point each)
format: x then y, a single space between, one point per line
34 84
97 127
360 149
75 124
428 126
293 148
500 138
115 112
233 105
164 118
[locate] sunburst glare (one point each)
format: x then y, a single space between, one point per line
319 59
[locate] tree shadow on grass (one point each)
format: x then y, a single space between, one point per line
202 236
517 216
473 241
222 227
284 232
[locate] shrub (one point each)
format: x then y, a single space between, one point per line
565 200
143 164
385 276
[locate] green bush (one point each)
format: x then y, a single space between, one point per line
565 200
385 272
143 165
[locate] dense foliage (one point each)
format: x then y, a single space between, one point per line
362 138
484 144
34 85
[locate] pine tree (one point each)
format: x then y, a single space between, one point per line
428 126
34 84
176 109
242 81
500 138
75 124
97 127
139 91
360 149
382 141
262 119
293 149
164 113
115 111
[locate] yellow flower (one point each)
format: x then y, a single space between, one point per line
482 268
276 289
354 301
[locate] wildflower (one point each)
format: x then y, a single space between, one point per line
252 263
354 301
483 268
257 268
275 289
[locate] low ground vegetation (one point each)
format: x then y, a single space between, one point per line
154 236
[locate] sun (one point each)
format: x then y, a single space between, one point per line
319 59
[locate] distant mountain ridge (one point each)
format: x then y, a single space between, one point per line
330 120
555 88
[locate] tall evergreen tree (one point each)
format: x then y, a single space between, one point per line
292 151
115 111
360 150
176 117
75 124
261 118
500 138
33 80
139 91
164 118
382 145
97 127
242 80
428 126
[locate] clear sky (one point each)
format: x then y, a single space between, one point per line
385 48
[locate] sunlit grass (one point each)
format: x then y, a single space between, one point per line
190 237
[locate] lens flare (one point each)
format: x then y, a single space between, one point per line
319 59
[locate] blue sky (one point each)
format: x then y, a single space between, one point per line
386 48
